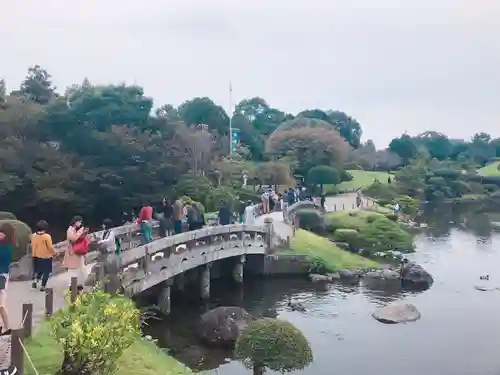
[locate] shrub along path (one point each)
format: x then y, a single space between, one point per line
313 245
21 292
336 203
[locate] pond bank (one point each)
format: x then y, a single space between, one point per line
142 358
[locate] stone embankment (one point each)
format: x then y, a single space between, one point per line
414 277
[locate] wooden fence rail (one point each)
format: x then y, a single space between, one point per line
18 352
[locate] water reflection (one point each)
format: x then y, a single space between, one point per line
458 333
261 298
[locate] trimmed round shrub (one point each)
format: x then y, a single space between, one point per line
383 235
346 176
4 215
273 344
23 236
349 236
310 219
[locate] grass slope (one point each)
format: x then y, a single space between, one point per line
490 169
308 243
142 358
360 179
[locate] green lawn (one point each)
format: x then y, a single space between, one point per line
490 169
142 358
308 243
360 179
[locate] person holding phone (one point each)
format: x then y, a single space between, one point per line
73 260
7 243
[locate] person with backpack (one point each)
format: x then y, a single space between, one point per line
43 255
78 247
109 241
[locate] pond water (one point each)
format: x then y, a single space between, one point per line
459 332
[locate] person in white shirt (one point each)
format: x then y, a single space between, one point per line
249 214
109 240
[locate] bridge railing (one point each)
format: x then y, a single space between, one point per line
171 255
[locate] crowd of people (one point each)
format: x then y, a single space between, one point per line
174 216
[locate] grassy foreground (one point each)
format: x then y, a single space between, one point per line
142 358
490 169
308 243
360 179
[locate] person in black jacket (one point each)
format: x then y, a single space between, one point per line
225 213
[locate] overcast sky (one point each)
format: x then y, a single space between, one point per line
391 64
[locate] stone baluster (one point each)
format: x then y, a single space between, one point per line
145 262
268 222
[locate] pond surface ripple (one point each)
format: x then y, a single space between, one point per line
458 334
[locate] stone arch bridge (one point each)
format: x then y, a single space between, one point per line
166 260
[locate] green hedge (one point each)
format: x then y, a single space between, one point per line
310 219
349 236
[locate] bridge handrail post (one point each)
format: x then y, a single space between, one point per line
268 222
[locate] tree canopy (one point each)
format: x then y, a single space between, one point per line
99 150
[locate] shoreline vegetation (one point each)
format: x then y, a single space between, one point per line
141 358
334 258
351 239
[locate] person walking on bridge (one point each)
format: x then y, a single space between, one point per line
178 215
43 255
224 213
78 245
109 243
145 221
249 216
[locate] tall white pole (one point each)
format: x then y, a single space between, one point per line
230 118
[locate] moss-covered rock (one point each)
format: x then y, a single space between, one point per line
23 236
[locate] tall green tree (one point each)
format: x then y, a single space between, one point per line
37 86
405 147
200 111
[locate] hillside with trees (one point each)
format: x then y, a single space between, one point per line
100 150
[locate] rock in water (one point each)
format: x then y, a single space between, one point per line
397 312
414 276
316 278
222 325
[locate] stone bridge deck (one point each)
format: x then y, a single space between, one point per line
163 259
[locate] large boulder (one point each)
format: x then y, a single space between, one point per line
415 277
221 326
397 312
